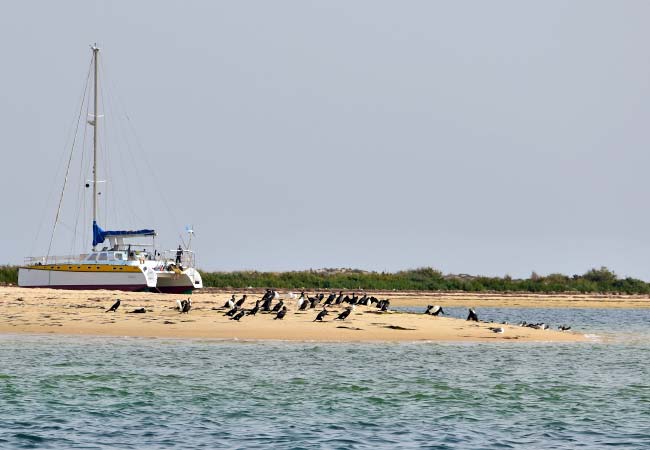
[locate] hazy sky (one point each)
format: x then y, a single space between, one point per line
475 137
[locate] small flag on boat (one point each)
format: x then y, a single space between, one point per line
189 229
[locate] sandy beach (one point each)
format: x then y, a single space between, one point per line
46 311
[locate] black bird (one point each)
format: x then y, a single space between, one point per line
281 313
564 328
232 312
434 310
255 309
496 329
339 299
187 306
239 315
301 301
313 301
344 314
114 307
266 304
230 303
319 317
330 299
138 311
472 316
385 305
241 301
279 306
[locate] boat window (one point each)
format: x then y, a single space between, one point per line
92 257
119 256
102 257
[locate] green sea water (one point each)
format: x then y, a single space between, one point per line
73 392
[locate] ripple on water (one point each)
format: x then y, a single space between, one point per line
97 393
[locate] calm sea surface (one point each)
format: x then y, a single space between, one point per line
71 392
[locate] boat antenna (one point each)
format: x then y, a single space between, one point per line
93 122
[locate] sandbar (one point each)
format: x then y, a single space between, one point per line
45 311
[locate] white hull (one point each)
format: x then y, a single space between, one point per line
58 279
171 282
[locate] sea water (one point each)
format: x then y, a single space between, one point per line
80 392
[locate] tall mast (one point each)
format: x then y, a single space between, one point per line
94 124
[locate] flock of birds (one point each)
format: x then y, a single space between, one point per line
236 311
235 308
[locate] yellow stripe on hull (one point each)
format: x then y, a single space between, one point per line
86 268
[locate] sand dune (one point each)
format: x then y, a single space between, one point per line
83 312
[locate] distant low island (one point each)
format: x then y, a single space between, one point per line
600 280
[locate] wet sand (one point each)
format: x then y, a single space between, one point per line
44 311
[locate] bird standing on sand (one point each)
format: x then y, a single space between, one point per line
114 307
267 294
266 304
301 302
344 314
313 301
241 301
255 308
330 299
281 313
239 315
279 306
321 315
472 316
434 310
232 312
230 303
187 306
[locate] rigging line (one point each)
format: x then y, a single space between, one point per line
59 166
67 171
103 154
113 211
80 203
119 197
86 170
144 152
111 196
141 185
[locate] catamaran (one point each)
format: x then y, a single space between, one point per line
120 263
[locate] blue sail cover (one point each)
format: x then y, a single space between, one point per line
100 235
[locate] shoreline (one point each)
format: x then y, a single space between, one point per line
582 339
82 313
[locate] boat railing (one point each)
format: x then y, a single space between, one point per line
186 257
61 259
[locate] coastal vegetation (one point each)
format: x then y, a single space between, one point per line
8 275
600 280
